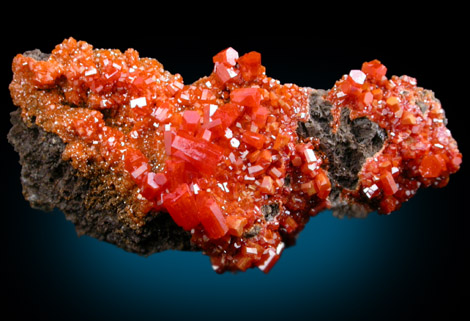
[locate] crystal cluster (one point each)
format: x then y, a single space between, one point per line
419 150
221 156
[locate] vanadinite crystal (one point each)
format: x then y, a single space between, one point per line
218 154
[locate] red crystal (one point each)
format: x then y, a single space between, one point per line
263 158
201 154
250 65
180 204
249 97
225 73
388 183
308 188
267 186
389 204
227 113
260 116
152 185
323 185
236 224
350 87
136 164
432 166
191 121
177 170
228 57
210 215
255 140
367 98
375 70
281 141
270 258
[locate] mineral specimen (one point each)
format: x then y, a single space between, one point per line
234 164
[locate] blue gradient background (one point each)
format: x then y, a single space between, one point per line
408 265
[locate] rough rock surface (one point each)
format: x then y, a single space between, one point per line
49 182
346 149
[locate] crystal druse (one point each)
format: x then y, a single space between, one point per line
237 162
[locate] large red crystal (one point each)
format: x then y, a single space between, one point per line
249 97
201 154
181 205
211 216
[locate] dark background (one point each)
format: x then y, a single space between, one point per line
406 266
